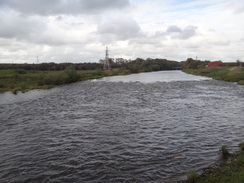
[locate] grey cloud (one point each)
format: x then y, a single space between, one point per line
27 29
120 29
176 32
173 28
59 18
55 7
13 26
146 40
188 32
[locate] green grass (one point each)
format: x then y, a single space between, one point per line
21 80
19 83
231 171
6 72
192 177
230 74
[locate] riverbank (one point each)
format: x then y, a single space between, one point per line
23 80
230 169
230 74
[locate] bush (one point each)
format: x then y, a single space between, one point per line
240 159
20 71
224 151
241 145
69 75
72 75
241 82
192 177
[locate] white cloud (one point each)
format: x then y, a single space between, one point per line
54 7
118 29
16 26
79 30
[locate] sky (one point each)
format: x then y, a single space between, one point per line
77 31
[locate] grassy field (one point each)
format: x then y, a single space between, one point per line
230 74
22 80
14 81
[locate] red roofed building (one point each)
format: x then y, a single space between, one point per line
214 64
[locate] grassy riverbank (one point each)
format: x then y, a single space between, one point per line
230 74
23 77
23 80
230 170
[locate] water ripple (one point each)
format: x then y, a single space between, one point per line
118 132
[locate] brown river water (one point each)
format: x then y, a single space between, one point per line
148 127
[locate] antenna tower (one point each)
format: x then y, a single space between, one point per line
106 64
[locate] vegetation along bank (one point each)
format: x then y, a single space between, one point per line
233 72
23 77
229 170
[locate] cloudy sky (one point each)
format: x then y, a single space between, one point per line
79 30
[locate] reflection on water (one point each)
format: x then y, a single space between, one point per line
160 76
118 131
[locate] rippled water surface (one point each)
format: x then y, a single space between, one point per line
104 131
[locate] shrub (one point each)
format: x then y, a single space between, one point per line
192 177
99 72
72 75
241 82
224 151
241 145
69 75
20 71
240 159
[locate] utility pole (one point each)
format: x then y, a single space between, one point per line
37 59
106 64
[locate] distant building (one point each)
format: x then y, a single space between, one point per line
214 63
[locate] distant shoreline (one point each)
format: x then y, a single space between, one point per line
229 74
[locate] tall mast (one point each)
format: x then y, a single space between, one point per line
106 64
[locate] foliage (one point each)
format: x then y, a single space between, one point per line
241 145
230 74
12 81
135 66
192 177
141 65
69 75
23 77
20 71
224 151
231 171
193 64
51 66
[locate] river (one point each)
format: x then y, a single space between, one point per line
147 127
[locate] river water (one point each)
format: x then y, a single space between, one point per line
148 127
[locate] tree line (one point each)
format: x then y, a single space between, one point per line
51 66
135 66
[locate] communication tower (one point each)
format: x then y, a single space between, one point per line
106 64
